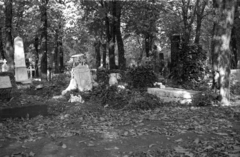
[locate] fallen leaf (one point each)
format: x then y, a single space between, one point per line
179 140
31 154
196 141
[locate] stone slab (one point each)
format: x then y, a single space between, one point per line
173 94
5 82
23 111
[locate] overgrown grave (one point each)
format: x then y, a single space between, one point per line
16 103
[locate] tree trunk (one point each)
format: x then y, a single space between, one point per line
221 46
60 48
104 48
200 12
147 43
61 56
233 43
56 52
1 44
44 64
36 45
188 20
111 38
121 58
9 41
97 45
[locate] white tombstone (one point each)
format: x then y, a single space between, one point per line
82 75
5 66
21 72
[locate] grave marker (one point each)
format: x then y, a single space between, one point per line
5 87
21 72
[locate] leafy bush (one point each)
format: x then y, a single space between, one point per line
141 77
102 76
191 65
235 89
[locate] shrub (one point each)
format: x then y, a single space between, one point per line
208 98
144 101
141 77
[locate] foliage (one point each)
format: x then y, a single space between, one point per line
102 76
235 88
207 98
191 65
141 77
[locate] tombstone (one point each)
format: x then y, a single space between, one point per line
5 67
5 86
82 75
21 71
113 78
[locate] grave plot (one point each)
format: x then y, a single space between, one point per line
173 94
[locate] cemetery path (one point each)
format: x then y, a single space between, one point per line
88 129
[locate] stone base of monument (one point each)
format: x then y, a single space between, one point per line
24 84
23 111
174 94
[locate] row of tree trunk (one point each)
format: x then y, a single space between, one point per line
112 33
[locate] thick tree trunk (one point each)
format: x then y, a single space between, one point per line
221 46
112 39
1 44
200 12
97 45
44 64
8 31
36 45
121 58
233 43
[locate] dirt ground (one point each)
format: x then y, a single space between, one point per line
89 129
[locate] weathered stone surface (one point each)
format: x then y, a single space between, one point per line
173 94
21 74
83 77
19 56
21 71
